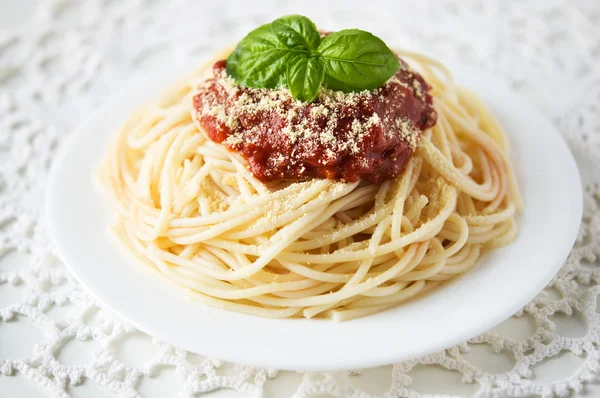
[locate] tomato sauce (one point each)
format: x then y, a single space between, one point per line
367 135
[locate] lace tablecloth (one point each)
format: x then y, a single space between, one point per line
60 59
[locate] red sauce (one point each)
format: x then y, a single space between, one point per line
368 135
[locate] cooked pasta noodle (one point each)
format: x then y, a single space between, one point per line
190 209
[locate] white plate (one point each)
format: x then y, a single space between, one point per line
502 282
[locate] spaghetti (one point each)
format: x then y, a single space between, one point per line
191 209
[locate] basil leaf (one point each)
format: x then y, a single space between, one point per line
295 31
356 60
260 60
289 51
304 77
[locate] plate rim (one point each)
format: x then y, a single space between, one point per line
288 362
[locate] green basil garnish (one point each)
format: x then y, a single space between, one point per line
289 51
296 31
259 60
356 60
304 77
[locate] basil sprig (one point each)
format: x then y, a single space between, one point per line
290 52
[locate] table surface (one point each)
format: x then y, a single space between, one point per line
135 354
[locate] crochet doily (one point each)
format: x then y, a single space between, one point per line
70 55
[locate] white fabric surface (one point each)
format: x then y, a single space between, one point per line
60 59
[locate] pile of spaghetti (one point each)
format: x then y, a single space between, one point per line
192 210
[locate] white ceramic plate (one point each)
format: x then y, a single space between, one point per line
502 282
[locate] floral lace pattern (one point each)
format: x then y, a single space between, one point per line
72 54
